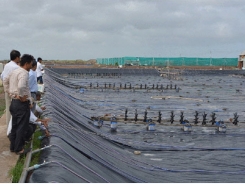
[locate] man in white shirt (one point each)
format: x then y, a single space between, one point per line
39 70
39 110
34 121
9 67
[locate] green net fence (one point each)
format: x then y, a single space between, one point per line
171 61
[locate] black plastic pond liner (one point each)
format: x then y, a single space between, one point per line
81 152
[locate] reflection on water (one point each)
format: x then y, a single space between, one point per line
223 95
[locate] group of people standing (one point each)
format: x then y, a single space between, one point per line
20 80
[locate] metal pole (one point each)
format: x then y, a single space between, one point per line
26 165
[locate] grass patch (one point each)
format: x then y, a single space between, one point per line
2 101
17 170
1 89
36 145
2 107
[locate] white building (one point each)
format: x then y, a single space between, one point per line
241 61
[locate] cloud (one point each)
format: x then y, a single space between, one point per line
85 29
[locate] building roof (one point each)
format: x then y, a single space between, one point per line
243 53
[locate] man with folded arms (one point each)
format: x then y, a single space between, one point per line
16 84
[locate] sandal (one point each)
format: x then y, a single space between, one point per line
24 151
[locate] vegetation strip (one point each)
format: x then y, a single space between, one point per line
18 169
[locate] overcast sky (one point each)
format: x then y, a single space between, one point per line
90 29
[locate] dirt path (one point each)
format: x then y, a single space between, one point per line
7 159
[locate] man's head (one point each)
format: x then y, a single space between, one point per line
38 95
34 65
26 61
15 56
39 60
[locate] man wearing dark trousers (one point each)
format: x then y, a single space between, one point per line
16 84
33 83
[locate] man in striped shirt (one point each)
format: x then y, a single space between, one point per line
16 84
